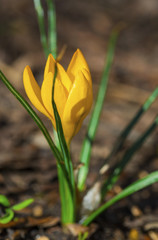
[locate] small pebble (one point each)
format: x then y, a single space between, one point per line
133 235
143 174
136 212
37 211
42 238
117 189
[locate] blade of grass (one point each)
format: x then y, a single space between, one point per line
52 36
126 158
67 191
60 133
40 16
93 124
121 139
7 217
64 211
134 187
22 205
4 201
67 199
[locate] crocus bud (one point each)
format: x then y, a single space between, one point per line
73 93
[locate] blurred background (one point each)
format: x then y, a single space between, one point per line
86 25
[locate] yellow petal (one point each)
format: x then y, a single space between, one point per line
64 78
60 94
77 106
87 76
46 93
77 63
50 65
33 91
88 103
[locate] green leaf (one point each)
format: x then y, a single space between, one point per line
60 133
22 205
67 188
94 121
7 217
4 201
134 187
40 16
52 35
118 168
49 43
63 145
83 236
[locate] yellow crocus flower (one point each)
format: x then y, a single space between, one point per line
73 93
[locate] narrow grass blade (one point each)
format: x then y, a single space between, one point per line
52 36
4 201
62 141
67 190
83 236
7 217
40 16
126 158
22 205
134 187
63 145
67 197
62 190
92 128
33 115
121 139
